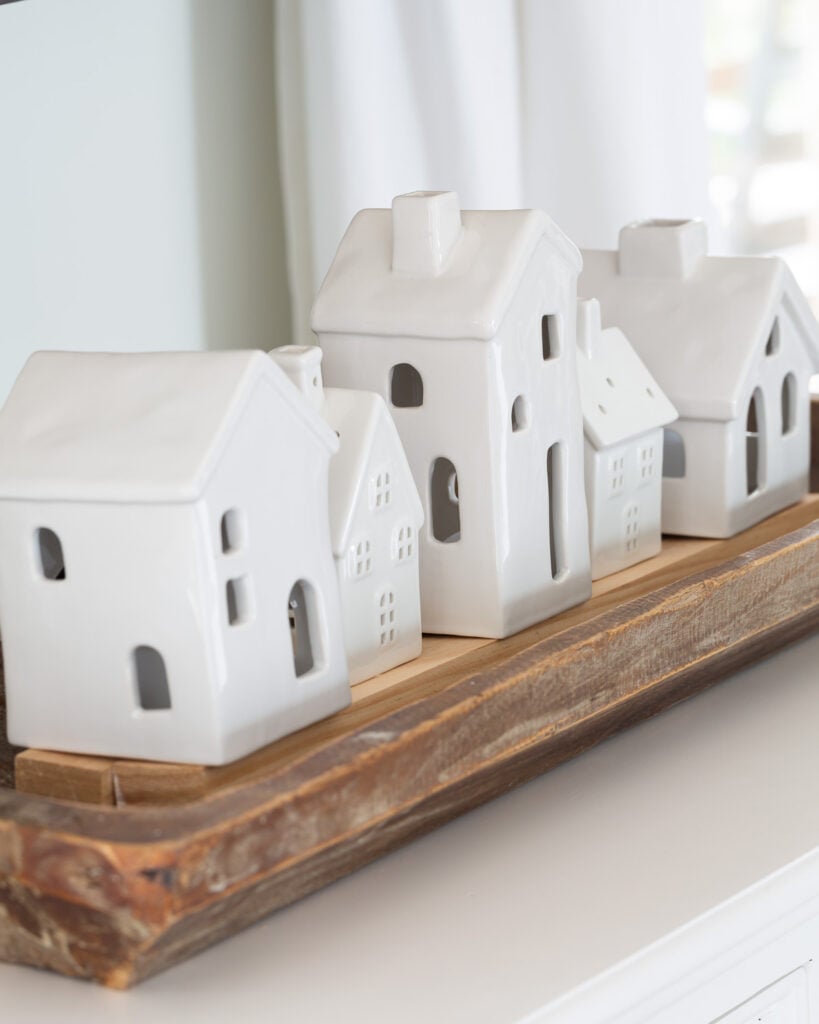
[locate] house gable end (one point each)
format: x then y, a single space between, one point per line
274 387
351 469
796 306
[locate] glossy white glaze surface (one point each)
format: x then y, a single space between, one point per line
153 621
491 336
624 411
375 520
715 331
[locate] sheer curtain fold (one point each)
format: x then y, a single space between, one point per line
613 124
592 110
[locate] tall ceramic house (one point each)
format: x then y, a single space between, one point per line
167 585
375 520
733 343
464 322
624 413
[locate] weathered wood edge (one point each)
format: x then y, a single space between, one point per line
118 895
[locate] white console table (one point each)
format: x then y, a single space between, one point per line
670 876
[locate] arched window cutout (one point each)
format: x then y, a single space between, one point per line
753 443
444 500
232 531
406 387
50 554
673 454
772 344
305 628
520 414
153 691
789 402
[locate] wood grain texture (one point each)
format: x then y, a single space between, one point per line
64 776
118 893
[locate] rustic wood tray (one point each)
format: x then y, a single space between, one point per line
118 891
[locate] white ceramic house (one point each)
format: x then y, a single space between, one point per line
375 520
624 413
733 343
167 584
464 321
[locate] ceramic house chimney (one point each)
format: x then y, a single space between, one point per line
589 327
302 364
662 248
426 227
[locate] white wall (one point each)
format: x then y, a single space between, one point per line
139 193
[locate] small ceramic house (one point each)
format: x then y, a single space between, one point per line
375 519
732 342
624 412
167 585
464 322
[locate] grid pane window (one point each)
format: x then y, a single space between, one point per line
385 611
380 490
403 543
360 559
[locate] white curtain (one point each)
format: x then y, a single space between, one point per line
590 109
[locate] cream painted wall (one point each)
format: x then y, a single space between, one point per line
139 191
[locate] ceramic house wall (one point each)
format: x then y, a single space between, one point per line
280 541
624 488
716 332
769 467
708 450
486 567
740 471
116 557
156 576
378 571
458 577
375 515
544 539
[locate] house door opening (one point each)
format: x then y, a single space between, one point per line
305 628
444 501
556 483
153 691
754 439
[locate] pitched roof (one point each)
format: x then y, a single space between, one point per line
619 397
358 417
701 335
130 427
361 294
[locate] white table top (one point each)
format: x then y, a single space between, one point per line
501 912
